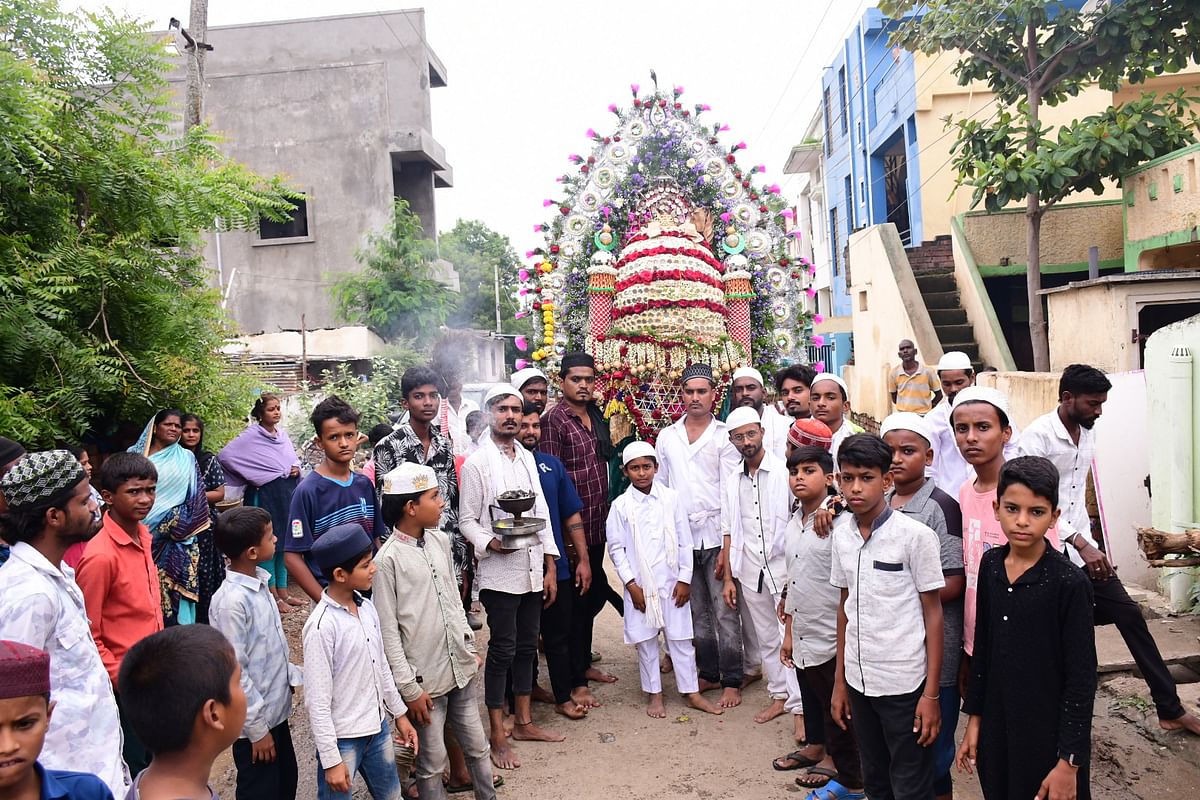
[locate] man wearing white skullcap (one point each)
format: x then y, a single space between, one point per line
754 519
830 403
747 389
533 385
650 543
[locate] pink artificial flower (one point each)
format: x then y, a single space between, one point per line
819 366
818 319
678 91
613 108
818 340
725 217
547 203
787 213
521 315
530 253
523 274
522 344
539 228
522 291
705 107
633 87
796 233
722 128
521 363
774 188
760 168
811 292
591 133
740 146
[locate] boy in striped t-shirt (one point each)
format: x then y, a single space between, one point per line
332 494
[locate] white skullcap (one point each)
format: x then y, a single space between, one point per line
906 421
524 376
500 390
748 372
955 359
829 376
981 394
742 415
409 478
637 450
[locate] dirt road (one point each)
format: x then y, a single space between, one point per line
619 752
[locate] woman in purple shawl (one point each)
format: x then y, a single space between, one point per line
263 460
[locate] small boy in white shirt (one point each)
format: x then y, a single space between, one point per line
650 543
348 689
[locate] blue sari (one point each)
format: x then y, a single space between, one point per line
179 514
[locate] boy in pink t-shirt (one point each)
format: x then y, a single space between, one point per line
981 428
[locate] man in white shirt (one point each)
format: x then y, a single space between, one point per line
513 583
51 508
694 457
747 389
1065 436
754 519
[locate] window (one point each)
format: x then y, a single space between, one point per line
843 106
833 237
828 122
296 227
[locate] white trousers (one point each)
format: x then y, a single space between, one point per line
751 658
683 659
781 681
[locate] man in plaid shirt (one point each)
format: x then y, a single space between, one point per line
576 433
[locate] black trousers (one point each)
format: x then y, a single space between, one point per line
1114 606
838 743
556 642
894 766
273 781
588 606
513 623
816 709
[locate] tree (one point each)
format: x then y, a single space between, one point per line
395 295
105 308
1040 52
476 251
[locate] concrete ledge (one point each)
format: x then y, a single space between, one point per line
1178 641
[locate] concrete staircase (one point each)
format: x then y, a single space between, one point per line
933 266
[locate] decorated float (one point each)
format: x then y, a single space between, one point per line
664 251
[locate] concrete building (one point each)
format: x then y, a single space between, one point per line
340 107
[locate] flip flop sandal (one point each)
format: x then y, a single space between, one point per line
497 782
821 772
834 791
800 761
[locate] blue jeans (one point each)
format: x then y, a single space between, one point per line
944 748
374 758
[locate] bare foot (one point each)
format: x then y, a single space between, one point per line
708 686
571 710
284 608
292 600
665 666
504 756
798 732
529 732
731 697
770 712
541 695
509 722
1187 722
696 700
655 708
599 675
751 677
583 696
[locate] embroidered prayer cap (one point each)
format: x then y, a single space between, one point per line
981 394
810 432
829 376
907 421
409 478
24 670
747 372
697 371
637 450
741 416
39 476
9 451
338 545
498 391
524 376
575 359
955 359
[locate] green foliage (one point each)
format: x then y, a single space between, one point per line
394 294
475 250
105 310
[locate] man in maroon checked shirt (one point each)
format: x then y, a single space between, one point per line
576 433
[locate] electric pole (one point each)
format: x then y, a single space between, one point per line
197 37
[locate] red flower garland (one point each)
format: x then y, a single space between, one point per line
650 276
662 250
642 307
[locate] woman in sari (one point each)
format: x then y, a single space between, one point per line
263 460
212 563
178 517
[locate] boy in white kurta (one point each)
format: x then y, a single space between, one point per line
650 543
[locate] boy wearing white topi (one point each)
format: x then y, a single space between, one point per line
650 543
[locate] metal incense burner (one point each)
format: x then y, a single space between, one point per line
517 532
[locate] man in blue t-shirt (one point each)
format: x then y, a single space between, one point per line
332 494
572 698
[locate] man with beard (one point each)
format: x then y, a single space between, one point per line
695 458
793 384
830 403
747 389
50 508
577 434
533 385
1066 438
514 584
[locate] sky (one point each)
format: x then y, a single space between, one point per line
526 79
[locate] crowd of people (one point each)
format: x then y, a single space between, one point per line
876 584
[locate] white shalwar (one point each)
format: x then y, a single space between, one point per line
650 542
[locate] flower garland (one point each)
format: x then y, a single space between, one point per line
650 276
690 252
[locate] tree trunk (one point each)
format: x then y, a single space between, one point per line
193 107
1033 283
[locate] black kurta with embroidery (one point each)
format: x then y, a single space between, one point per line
1033 674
